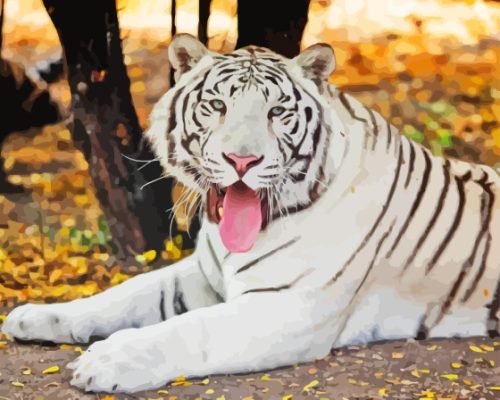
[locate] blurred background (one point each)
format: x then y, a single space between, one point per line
429 66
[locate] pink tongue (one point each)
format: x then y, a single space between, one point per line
242 218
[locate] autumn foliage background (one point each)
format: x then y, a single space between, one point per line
430 66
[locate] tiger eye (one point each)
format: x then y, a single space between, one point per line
218 105
276 111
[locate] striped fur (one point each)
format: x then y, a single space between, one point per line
370 236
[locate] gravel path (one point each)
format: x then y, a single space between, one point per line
427 370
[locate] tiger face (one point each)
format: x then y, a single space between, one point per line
245 130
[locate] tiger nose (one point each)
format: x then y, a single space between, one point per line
242 163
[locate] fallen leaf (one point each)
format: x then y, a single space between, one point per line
26 371
450 377
310 385
398 354
476 349
485 347
456 365
51 370
16 383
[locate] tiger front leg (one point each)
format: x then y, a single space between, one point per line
141 301
253 332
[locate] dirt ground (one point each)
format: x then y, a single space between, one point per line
425 370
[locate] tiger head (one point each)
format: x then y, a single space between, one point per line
246 130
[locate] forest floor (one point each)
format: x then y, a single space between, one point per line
427 370
54 241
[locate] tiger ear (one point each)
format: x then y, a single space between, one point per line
184 52
317 62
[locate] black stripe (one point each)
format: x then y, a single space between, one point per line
179 303
374 121
214 255
308 112
480 272
219 297
416 203
374 258
389 134
296 93
278 288
486 212
347 105
466 266
437 212
172 120
268 254
412 163
377 221
162 306
460 182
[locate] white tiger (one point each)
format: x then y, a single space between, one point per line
322 227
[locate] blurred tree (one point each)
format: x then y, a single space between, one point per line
278 28
106 128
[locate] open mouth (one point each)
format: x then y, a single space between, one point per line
240 213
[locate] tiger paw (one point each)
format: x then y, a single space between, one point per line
124 362
41 322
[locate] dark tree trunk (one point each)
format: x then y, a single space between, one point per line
203 12
278 27
106 126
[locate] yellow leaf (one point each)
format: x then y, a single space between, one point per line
468 382
162 391
485 347
450 377
424 371
108 397
456 365
78 349
493 387
16 383
221 398
209 391
383 391
398 354
287 397
476 349
310 385
55 275
265 378
432 348
51 370
205 381
26 371
118 278
3 317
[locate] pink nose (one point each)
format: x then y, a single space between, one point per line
242 163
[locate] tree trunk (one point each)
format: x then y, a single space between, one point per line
277 28
106 126
203 12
